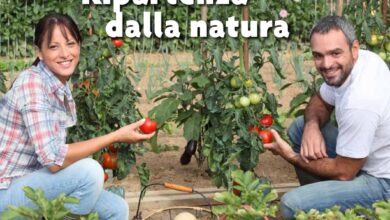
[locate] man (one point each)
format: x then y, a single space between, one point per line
348 164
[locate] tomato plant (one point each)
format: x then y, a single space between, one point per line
201 101
149 126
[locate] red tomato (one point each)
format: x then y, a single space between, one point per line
254 129
113 149
149 126
117 43
110 161
266 136
266 120
105 177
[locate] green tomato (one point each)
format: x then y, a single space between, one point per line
235 82
244 101
237 103
229 106
382 54
254 98
387 46
374 40
388 58
248 83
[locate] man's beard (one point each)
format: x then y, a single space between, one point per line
340 78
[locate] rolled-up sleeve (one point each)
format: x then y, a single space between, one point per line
42 126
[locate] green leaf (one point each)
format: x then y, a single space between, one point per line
192 126
201 81
164 111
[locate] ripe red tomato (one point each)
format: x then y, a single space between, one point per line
254 129
149 126
266 120
113 149
105 177
110 161
117 42
266 136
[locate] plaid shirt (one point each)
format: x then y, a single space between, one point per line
34 115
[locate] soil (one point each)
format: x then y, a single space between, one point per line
165 166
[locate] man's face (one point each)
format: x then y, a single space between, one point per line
332 56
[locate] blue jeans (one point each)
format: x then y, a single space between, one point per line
83 179
364 189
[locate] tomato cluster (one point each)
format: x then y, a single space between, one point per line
252 98
265 122
380 44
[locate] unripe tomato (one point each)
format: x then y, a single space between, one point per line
266 120
248 83
148 127
244 101
117 42
374 40
106 53
387 46
110 161
266 136
235 82
254 98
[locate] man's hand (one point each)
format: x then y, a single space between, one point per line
313 144
280 147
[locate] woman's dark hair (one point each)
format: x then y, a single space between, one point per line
46 25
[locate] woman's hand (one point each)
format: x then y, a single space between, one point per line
131 134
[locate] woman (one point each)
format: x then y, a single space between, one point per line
34 115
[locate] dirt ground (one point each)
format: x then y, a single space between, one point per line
166 167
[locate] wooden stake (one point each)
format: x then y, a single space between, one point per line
203 15
384 11
339 8
245 17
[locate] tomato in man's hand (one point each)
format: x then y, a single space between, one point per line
266 136
117 43
148 127
110 161
266 120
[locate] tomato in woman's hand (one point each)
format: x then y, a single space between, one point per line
266 136
266 120
117 42
110 161
148 127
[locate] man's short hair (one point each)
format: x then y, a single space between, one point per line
325 24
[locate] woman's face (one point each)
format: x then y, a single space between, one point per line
61 56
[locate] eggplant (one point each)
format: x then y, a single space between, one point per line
185 158
189 150
191 147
